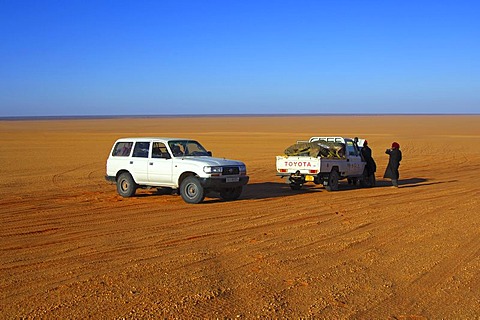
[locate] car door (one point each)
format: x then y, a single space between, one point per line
139 162
160 165
354 160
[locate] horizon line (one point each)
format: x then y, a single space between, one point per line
220 115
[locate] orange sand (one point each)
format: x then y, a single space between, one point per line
72 248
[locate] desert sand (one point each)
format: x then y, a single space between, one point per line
70 247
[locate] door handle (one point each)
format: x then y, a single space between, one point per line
151 163
131 162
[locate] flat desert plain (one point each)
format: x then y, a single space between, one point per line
70 247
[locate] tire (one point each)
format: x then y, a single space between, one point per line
332 181
372 181
126 186
367 181
230 194
191 190
296 186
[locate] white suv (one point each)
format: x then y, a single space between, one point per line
181 164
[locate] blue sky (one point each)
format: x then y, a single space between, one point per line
62 58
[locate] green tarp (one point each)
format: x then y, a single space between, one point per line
317 149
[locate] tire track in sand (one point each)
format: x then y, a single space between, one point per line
57 179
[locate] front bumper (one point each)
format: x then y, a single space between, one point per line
216 183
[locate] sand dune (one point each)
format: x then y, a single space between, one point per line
72 248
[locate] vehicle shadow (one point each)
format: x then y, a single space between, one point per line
261 190
269 190
405 183
265 190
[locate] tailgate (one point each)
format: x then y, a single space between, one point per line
292 164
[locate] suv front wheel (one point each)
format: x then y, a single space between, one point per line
191 190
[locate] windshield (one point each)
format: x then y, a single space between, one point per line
182 148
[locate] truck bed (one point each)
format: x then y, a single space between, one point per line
287 165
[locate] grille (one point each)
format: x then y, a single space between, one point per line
230 170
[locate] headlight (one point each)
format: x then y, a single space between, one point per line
242 168
212 169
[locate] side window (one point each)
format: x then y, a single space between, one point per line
351 150
141 149
122 149
177 148
159 150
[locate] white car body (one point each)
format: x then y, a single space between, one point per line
151 162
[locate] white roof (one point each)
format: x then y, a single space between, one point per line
134 139
329 139
336 139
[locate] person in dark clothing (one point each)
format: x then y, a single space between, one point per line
370 165
367 156
395 156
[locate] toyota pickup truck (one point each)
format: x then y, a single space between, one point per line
326 169
176 164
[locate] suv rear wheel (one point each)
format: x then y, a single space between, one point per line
126 186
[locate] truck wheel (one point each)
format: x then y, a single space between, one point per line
126 186
332 181
191 190
230 194
367 181
296 186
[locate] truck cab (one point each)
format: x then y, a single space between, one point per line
354 162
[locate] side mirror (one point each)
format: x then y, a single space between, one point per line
209 153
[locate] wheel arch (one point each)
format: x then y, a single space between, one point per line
324 175
185 175
123 171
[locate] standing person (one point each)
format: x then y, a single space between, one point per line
393 163
370 165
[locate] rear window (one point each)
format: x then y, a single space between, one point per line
122 149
